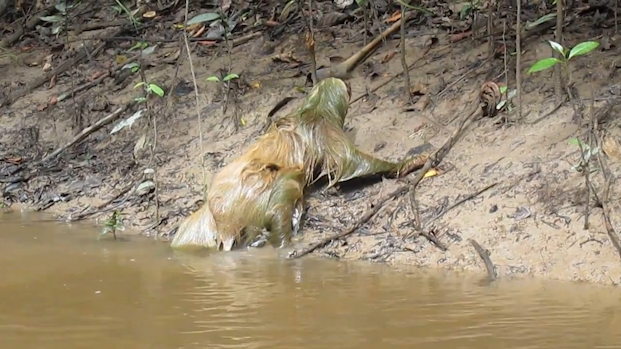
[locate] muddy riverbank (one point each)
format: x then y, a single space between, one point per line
532 221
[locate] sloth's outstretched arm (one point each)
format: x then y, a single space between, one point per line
350 163
285 199
361 164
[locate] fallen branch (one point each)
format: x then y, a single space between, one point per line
85 132
28 27
439 244
97 81
491 271
101 207
459 202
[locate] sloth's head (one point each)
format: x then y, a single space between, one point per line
328 101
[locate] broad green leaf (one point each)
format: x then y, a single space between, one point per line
558 47
139 84
157 90
61 7
130 66
583 48
149 50
503 89
541 20
213 79
53 19
205 17
543 64
230 77
138 45
361 2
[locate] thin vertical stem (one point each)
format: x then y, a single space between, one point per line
198 111
406 73
518 60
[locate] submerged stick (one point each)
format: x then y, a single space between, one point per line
491 272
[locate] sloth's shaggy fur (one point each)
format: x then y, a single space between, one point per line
264 188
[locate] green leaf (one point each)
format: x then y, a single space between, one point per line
583 48
574 141
139 84
205 17
503 89
53 19
157 90
213 79
230 77
540 20
543 64
558 47
361 3
131 66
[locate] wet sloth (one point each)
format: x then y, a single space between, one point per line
264 188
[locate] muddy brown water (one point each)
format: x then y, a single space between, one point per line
61 288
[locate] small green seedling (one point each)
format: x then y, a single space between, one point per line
566 55
112 224
130 14
58 20
133 66
204 17
138 45
469 8
587 154
227 78
506 101
149 88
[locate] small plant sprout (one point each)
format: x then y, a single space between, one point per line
587 154
227 78
150 88
506 101
566 55
58 20
138 45
112 224
133 66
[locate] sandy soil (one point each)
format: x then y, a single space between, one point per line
532 221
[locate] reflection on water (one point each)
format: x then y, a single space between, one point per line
62 289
